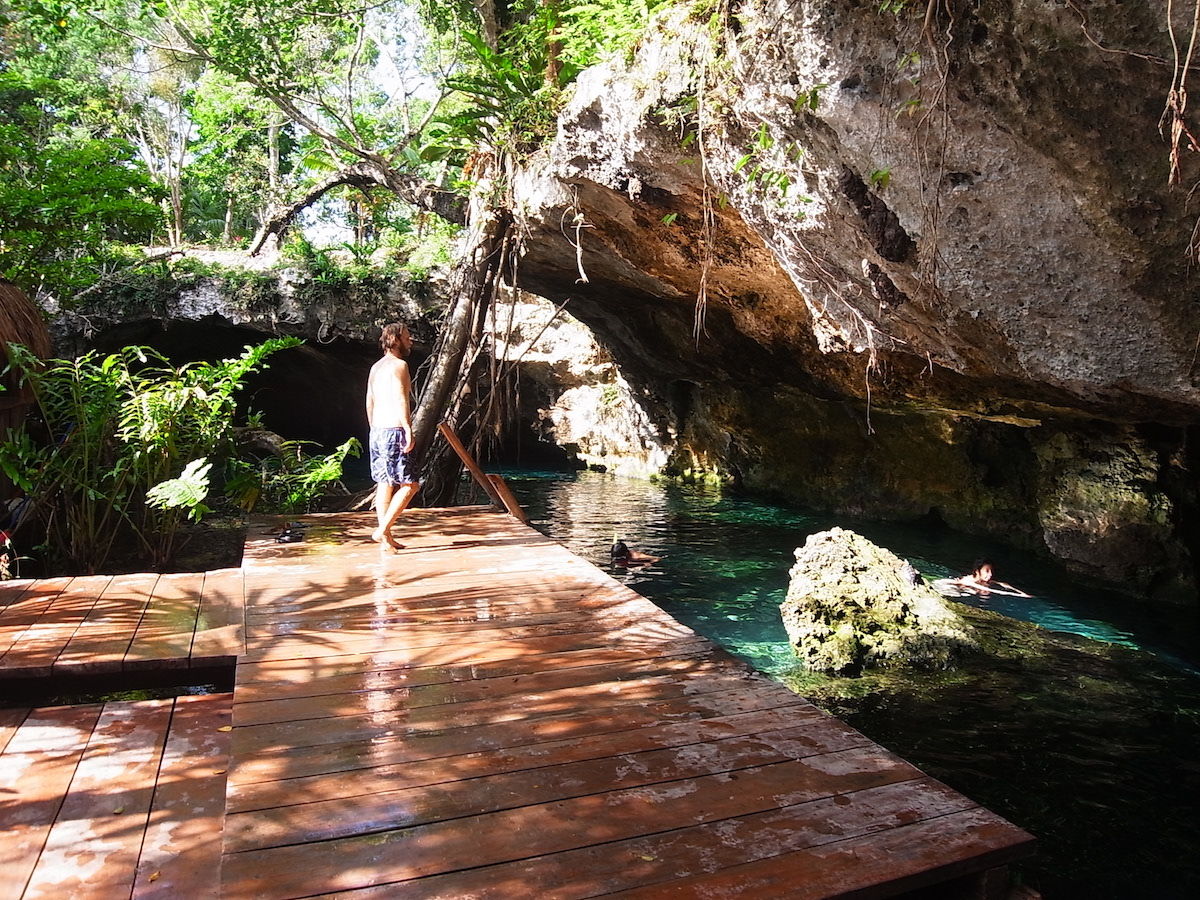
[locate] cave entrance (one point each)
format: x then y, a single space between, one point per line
313 392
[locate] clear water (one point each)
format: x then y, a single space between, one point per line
725 559
1089 746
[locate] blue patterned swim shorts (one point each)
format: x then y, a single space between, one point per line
389 462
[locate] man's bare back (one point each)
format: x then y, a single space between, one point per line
388 389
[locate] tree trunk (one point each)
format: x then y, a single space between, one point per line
227 231
273 156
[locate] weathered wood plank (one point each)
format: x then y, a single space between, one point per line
34 651
261 703
36 768
658 859
615 699
553 827
181 851
821 733
164 635
877 864
103 638
309 674
384 809
93 846
220 626
10 721
268 763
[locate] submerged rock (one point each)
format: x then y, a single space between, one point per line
852 605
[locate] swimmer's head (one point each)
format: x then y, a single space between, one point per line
983 570
619 552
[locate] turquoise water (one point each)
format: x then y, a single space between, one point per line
725 559
1089 746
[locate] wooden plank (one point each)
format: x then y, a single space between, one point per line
445 846
220 626
507 498
92 849
384 809
36 769
34 653
451 607
304 678
415 637
282 760
104 636
361 722
659 859
12 589
467 460
10 721
258 703
181 852
681 676
879 864
164 637
821 734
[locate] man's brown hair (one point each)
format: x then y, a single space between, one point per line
391 338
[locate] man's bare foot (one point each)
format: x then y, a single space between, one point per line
385 540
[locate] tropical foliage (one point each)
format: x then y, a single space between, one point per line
113 432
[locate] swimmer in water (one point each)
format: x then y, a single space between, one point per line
982 580
622 556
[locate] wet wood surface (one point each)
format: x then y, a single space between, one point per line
483 714
480 714
105 624
120 799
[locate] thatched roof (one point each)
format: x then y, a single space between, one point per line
21 322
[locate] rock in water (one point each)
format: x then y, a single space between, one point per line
851 606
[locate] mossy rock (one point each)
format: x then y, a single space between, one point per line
852 606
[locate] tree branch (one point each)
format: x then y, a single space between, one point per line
367 175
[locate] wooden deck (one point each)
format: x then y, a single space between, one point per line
104 624
482 714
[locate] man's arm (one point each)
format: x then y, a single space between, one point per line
371 401
406 403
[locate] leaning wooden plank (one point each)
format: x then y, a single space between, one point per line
181 853
92 849
220 627
36 769
507 498
473 467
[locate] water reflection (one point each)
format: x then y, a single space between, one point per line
725 561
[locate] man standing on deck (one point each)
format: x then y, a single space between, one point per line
389 414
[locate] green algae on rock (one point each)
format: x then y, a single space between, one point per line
852 605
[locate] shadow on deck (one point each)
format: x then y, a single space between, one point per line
481 714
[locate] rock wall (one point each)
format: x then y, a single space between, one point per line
942 270
572 393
